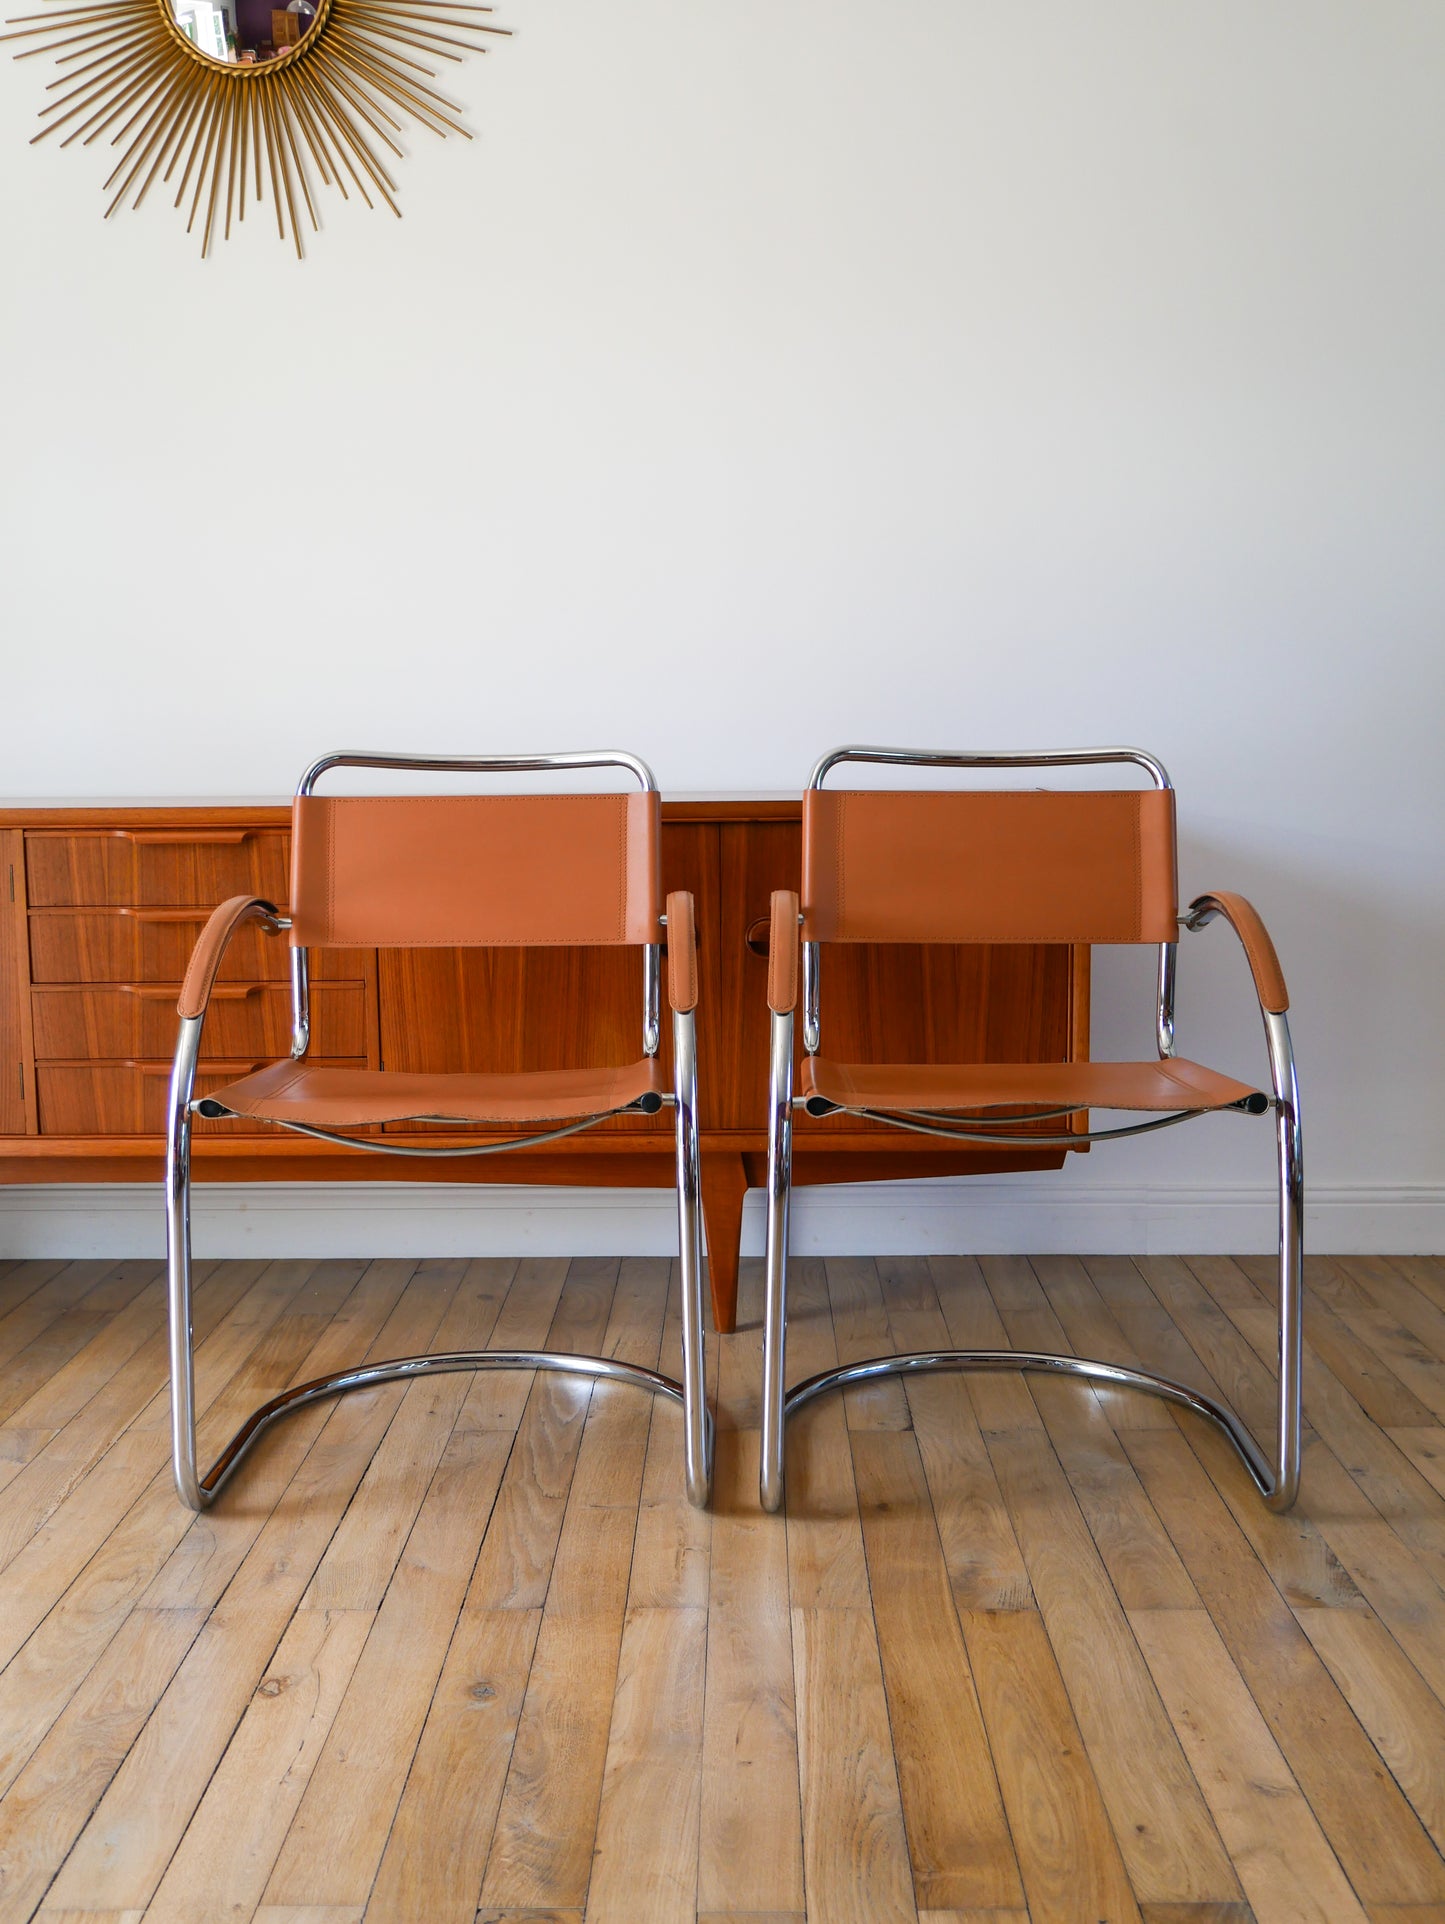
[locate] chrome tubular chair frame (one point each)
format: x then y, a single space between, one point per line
198 1490
1276 1475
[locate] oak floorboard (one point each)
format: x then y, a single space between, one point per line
542 1847
455 1782
1198 1914
671 1548
1093 1330
1377 1468
855 1852
1386 1283
985 1567
645 1857
1067 1852
132 1833
860 1328
1406 1721
958 1837
1290 1874
750 1917
33 1295
515 1565
973 1917
613 1448
161 1556
750 1848
1424 1273
826 1565
308 1914
334 1843
231 1842
66 1334
1144 1567
228 1321
740 1363
532 1290
529 1916
1379 1840
1000 1398
361 1557
459 1650
1170 1846
82 1522
1425 1447
48 1916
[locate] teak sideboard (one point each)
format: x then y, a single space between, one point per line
99 908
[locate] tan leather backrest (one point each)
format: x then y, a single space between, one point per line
987 866
457 871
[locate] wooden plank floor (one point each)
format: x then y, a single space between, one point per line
458 1650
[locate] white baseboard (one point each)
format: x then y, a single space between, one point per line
948 1216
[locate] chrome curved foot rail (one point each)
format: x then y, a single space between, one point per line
1273 1486
201 1491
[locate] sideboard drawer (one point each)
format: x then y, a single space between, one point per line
154 945
160 867
129 1098
250 1019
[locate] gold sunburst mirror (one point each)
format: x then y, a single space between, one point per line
232 99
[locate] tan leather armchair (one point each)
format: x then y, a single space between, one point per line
456 871
1013 865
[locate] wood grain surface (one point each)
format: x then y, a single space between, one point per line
458 1652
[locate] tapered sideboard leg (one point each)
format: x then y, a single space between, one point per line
724 1184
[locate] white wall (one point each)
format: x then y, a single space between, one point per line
766 376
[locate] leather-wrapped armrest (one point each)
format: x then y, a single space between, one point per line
783 953
211 946
1248 925
681 953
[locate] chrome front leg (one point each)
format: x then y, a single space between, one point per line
775 1312
696 1420
1291 1260
178 1264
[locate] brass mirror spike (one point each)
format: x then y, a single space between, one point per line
320 111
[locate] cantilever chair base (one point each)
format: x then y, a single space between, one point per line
972 1103
1046 1362
547 1105
199 1492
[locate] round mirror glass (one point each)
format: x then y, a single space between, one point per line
244 32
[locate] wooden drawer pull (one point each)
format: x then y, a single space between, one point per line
196 916
756 939
229 1069
168 991
183 838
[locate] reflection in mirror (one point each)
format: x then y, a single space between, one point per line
243 32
